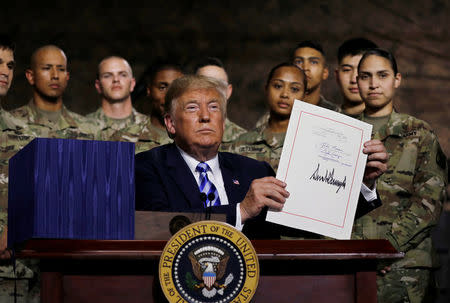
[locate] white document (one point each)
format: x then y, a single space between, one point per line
323 165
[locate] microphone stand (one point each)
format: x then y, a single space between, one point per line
211 198
205 199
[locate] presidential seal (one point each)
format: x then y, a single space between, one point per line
209 261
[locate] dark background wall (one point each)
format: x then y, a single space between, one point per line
249 36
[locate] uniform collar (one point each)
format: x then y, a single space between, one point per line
34 117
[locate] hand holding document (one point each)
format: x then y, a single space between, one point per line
323 164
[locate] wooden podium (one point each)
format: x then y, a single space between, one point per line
127 271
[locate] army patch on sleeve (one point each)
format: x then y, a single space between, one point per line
409 134
250 149
209 261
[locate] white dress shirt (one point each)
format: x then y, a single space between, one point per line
215 176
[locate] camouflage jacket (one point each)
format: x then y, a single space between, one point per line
412 191
143 134
328 104
9 122
232 131
260 144
11 141
107 127
69 126
322 103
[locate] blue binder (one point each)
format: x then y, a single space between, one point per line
71 189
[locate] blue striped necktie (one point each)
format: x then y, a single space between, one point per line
206 186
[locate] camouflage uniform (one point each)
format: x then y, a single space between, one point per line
136 128
232 131
151 136
69 126
412 191
11 140
328 104
322 103
107 127
145 137
260 144
29 124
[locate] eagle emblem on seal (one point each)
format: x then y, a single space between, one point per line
209 265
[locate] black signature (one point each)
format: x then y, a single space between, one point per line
328 178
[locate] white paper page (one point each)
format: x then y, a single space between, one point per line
323 165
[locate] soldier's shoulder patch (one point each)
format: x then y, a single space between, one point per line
209 261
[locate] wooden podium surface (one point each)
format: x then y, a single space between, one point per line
127 271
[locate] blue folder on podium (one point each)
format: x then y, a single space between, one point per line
71 189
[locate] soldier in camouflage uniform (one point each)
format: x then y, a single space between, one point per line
285 83
213 67
11 139
310 57
158 79
412 189
27 287
44 116
349 54
116 119
260 143
264 119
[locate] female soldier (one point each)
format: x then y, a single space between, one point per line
286 82
412 189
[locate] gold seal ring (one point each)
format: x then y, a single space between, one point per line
209 261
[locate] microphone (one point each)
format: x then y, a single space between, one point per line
203 198
211 198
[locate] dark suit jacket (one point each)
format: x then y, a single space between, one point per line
164 182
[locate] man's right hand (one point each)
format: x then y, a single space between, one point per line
263 192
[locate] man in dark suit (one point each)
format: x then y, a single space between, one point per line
168 178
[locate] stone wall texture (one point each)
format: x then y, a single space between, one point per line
249 36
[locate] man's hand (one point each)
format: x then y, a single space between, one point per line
377 159
267 191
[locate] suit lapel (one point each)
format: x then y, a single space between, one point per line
230 180
183 177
